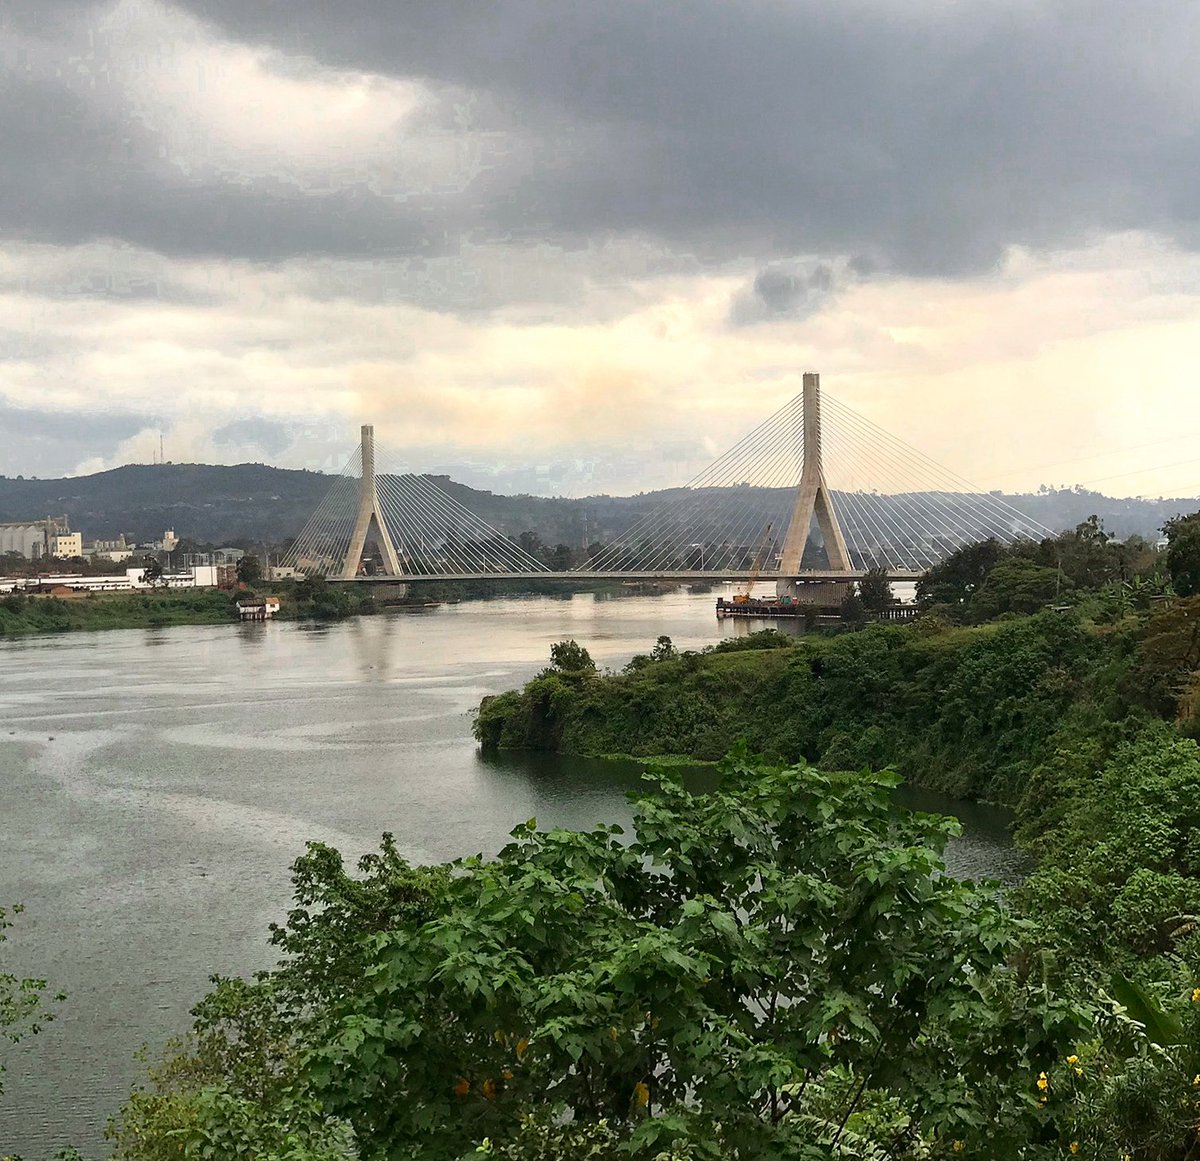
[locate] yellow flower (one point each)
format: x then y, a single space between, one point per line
1079 1072
1196 995
959 1146
1074 1146
641 1094
522 1045
1196 1081
489 1088
1042 1083
1072 1059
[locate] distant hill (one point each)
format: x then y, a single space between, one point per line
260 504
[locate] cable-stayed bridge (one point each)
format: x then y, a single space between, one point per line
814 495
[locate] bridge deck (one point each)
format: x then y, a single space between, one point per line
680 575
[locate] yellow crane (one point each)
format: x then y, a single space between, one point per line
756 565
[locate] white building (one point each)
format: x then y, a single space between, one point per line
132 578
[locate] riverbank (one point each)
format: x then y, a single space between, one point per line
22 615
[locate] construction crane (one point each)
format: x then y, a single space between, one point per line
760 556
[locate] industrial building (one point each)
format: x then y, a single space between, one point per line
33 539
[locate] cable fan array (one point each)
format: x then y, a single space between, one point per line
897 509
718 520
433 534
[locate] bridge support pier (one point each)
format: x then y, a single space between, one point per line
812 499
368 513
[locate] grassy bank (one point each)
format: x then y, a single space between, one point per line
22 615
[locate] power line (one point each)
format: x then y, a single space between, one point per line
1096 456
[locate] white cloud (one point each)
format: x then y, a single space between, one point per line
234 109
1000 378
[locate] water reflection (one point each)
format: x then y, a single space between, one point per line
252 634
579 787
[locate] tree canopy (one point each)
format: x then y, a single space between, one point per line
1183 553
777 969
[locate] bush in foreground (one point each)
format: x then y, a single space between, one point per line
778 969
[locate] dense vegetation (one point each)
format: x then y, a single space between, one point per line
21 614
780 967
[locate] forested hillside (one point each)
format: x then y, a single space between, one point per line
258 504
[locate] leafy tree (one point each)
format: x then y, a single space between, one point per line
853 610
22 1000
875 590
752 974
953 581
1183 553
1167 657
152 572
531 543
1120 874
1016 585
235 1087
326 601
780 968
664 650
1087 556
312 588
249 570
569 657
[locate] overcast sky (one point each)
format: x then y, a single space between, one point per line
570 246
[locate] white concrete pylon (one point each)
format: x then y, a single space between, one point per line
812 498
368 513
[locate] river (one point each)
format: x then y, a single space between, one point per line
156 784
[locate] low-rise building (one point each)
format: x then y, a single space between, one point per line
257 608
130 579
68 545
117 550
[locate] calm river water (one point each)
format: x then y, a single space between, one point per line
156 784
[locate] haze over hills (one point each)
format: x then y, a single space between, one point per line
262 504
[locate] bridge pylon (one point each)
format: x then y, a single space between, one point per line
368 514
812 499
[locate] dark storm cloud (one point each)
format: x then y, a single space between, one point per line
50 443
925 137
779 292
932 135
73 170
272 437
